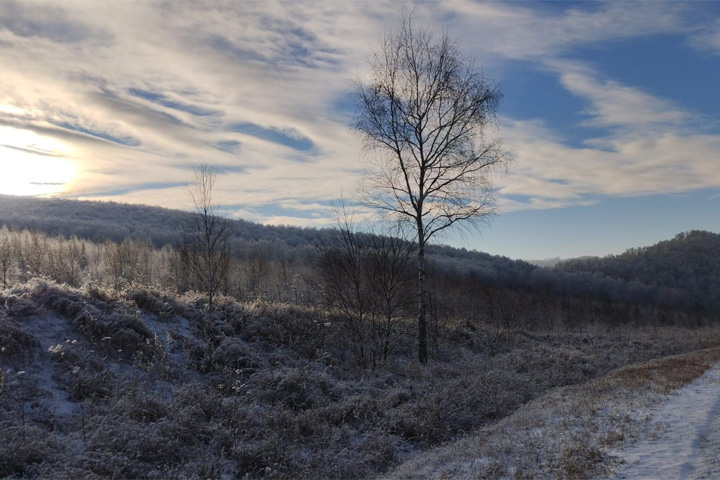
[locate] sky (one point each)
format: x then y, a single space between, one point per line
610 110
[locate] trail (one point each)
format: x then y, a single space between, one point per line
686 445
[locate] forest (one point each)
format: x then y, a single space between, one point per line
113 366
670 283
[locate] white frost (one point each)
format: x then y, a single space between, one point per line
688 442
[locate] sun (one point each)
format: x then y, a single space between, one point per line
31 164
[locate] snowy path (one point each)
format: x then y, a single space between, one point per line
688 442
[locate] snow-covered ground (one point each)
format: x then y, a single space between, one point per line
623 424
687 440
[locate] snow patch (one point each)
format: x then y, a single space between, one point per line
687 441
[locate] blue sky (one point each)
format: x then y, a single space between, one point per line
610 112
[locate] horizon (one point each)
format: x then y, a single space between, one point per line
542 262
609 110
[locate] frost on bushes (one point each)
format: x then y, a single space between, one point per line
236 354
14 339
125 332
24 448
162 306
270 393
297 388
117 326
19 306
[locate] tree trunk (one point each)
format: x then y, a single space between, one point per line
422 300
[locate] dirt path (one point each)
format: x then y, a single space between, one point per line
686 443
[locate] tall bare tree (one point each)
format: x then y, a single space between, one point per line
206 247
7 256
427 110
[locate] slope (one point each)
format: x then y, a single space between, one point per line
685 270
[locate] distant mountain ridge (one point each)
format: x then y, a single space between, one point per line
100 221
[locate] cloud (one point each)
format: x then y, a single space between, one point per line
119 138
140 92
165 101
32 149
550 174
232 147
613 104
513 30
143 187
289 137
292 204
707 38
43 20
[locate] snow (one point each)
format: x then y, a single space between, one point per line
687 441
49 331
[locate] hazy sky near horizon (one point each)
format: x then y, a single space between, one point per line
611 110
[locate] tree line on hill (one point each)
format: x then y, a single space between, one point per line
669 283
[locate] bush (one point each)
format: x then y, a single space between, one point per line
20 306
150 301
235 354
25 447
14 340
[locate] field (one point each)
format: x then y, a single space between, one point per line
105 383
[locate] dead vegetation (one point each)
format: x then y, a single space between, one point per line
567 433
126 384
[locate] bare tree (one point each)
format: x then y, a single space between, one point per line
427 110
128 262
206 247
7 255
365 279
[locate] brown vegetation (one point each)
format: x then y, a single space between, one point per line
568 432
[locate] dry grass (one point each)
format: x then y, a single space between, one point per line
668 374
568 432
131 385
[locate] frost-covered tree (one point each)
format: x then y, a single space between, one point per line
206 247
7 255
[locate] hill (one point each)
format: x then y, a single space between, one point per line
101 221
680 274
684 271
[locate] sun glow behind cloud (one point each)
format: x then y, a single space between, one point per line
32 164
144 91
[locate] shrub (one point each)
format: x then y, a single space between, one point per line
235 354
20 306
25 447
14 340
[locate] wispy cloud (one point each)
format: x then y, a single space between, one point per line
290 137
32 19
612 104
166 101
529 31
142 91
707 38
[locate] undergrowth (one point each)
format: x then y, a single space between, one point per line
133 384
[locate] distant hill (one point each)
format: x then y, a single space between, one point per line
682 273
546 262
100 221
684 270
